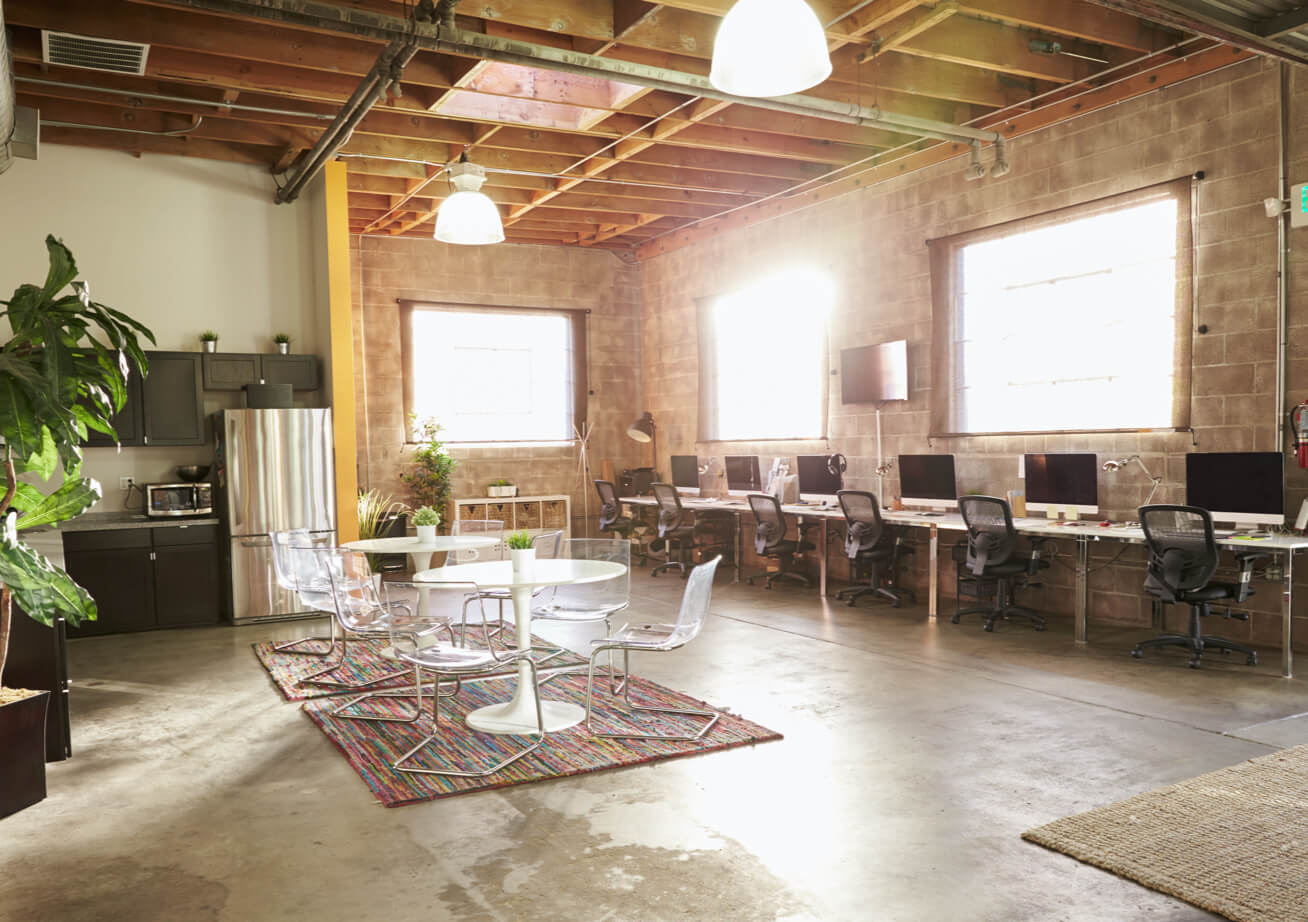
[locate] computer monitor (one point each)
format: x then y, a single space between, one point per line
1244 487
928 480
1066 480
742 474
817 480
685 473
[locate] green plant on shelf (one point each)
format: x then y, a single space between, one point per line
281 338
58 380
518 541
501 483
426 515
208 336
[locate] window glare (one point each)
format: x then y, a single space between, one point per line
770 341
493 377
1070 326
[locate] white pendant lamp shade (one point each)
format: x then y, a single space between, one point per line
769 48
468 217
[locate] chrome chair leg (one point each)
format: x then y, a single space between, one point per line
398 764
290 646
626 687
315 678
416 693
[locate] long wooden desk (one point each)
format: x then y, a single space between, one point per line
1086 533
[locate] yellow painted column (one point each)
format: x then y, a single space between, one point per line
342 351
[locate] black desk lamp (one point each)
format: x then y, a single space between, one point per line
642 430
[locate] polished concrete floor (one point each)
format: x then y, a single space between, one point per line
915 754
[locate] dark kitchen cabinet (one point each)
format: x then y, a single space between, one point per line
146 578
116 569
127 422
172 400
234 370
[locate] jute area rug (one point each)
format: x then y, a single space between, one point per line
1233 841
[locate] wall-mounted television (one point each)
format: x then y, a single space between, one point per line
870 374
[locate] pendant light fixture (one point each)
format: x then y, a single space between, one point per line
769 48
468 217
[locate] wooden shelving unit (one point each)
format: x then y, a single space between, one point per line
533 514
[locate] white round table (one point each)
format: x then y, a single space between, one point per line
420 551
518 715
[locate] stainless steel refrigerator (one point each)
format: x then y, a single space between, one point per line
275 473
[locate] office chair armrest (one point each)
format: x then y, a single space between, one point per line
1246 560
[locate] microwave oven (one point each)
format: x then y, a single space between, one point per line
170 499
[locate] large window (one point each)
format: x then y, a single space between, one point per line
494 375
763 358
1074 321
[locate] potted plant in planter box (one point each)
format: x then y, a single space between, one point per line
63 371
501 487
425 519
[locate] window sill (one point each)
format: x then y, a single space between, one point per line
969 435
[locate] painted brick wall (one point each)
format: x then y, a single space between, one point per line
873 244
506 275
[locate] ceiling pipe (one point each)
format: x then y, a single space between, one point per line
445 39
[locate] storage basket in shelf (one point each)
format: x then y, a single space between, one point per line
500 512
554 514
528 515
471 510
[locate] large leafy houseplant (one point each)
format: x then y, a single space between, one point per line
430 479
63 372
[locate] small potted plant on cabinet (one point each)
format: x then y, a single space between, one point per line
209 341
54 392
501 487
425 519
521 552
283 342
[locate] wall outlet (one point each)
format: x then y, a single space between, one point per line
125 483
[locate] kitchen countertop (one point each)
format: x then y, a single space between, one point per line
108 521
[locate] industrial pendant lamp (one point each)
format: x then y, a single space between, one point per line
468 216
769 48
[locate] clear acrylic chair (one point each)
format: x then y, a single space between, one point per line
659 638
311 566
582 603
546 544
361 610
457 663
285 576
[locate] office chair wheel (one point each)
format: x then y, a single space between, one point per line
954 620
988 626
1251 660
1038 626
750 580
1194 663
1138 653
1225 652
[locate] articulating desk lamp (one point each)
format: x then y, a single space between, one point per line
642 430
1118 464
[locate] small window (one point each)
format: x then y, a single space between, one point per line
763 358
494 375
1075 321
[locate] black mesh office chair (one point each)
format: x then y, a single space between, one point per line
675 528
1183 557
611 518
873 547
770 539
992 555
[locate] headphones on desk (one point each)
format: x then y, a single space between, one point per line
836 464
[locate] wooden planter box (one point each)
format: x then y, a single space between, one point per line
22 741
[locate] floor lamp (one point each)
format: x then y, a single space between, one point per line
643 430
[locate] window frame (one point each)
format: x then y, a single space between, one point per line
576 317
946 282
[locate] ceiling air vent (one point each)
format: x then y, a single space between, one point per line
93 53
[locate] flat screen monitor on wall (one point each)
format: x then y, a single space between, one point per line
928 480
1067 480
685 473
742 474
817 480
869 374
1244 487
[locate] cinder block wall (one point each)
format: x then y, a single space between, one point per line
507 276
872 242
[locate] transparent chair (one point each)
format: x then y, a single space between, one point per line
546 545
580 603
282 570
659 638
360 610
488 528
311 567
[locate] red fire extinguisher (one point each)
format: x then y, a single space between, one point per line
1299 423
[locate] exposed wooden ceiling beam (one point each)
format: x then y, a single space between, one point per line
1240 31
1076 19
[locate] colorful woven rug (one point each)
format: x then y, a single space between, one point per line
366 661
1233 841
371 747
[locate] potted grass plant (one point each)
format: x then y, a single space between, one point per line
521 552
425 520
63 372
378 514
501 488
283 342
209 341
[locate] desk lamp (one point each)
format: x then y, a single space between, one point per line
1118 464
643 430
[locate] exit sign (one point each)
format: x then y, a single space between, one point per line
1299 205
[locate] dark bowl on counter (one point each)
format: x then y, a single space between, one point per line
193 473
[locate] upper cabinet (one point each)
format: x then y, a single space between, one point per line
231 371
172 404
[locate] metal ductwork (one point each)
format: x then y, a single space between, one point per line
19 128
447 38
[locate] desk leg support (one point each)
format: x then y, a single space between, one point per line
822 559
1287 617
740 549
933 571
1082 600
